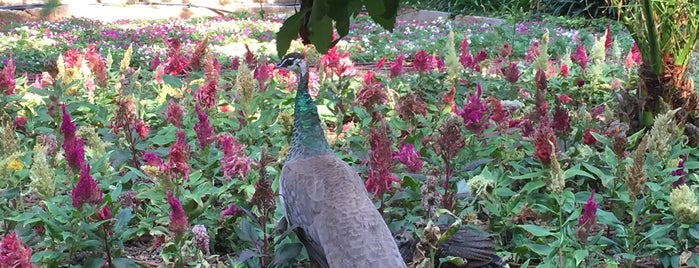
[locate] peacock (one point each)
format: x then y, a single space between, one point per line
325 200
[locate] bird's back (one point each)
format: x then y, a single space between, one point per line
340 226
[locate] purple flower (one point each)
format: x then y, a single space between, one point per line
178 221
203 128
473 111
380 164
86 191
679 172
13 253
174 113
423 62
179 154
588 218
234 160
409 157
511 72
580 56
7 80
397 66
231 211
152 159
73 147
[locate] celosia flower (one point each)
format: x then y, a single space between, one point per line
423 62
250 59
540 80
174 113
499 115
544 141
212 69
588 218
86 190
505 50
49 142
234 160
178 220
72 58
469 61
263 197
263 73
235 63
510 72
41 174
158 75
580 56
201 238
564 70
198 54
152 159
440 63
409 157
473 112
73 149
683 204
381 62
203 129
245 85
206 94
410 105
37 82
380 162
7 78
371 93
679 172
176 62
155 62
588 139
13 253
608 36
561 121
96 64
532 52
15 165
231 211
104 214
179 154
397 66
19 123
448 97
634 56
126 60
125 114
141 128
564 98
450 140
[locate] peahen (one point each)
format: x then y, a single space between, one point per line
324 199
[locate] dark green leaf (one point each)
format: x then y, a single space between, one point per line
286 252
321 33
288 32
536 230
383 12
172 81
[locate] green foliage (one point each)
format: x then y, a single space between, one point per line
576 8
323 16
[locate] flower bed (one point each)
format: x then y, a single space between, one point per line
169 137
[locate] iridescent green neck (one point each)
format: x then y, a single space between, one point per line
308 138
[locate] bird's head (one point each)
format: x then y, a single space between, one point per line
294 62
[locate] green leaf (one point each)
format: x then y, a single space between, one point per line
289 31
172 81
122 218
124 263
576 171
321 33
286 252
341 15
533 185
580 256
536 230
383 12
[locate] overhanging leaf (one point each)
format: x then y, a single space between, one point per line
383 12
289 31
321 33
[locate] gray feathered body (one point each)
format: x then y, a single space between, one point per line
325 198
